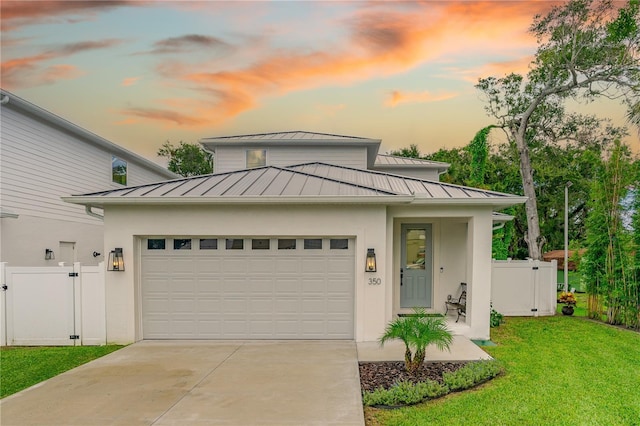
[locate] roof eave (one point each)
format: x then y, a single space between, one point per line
496 203
100 202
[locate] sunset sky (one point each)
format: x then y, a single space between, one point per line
140 73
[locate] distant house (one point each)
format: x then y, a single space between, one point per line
558 255
42 158
298 235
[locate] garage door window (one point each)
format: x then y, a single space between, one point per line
208 243
339 244
156 244
235 244
260 244
287 244
313 243
182 244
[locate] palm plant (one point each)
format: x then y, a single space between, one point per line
417 332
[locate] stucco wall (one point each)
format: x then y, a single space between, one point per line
24 240
123 224
462 248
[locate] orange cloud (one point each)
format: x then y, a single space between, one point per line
130 81
397 97
383 39
165 116
497 69
59 72
16 14
27 71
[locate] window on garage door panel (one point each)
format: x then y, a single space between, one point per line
235 244
287 244
313 243
339 244
208 243
156 244
260 244
182 244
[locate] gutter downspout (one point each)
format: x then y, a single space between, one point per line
88 210
498 226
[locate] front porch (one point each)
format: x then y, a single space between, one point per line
436 259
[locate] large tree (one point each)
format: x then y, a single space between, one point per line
187 159
586 49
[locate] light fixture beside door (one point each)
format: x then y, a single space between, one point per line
116 260
370 265
49 254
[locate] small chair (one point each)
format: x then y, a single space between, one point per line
459 304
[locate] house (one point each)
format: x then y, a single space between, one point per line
44 157
297 235
558 256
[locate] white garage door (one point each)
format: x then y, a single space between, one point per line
247 288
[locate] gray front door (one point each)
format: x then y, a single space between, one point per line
416 266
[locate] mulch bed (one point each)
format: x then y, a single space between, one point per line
385 374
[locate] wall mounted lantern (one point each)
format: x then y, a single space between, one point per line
116 261
371 261
48 254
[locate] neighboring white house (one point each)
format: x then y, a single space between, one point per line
42 158
276 244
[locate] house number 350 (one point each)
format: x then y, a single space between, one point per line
375 281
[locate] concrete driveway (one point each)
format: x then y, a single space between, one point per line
201 383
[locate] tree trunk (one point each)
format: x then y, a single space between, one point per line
533 238
418 360
407 358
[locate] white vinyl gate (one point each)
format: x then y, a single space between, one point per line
51 306
248 288
524 287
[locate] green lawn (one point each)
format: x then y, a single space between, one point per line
21 367
559 371
574 280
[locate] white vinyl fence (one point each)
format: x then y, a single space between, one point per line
524 287
53 306
62 306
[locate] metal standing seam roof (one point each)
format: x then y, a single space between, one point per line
289 136
300 183
394 160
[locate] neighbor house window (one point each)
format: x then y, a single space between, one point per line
256 158
208 243
118 170
339 244
155 244
287 244
313 244
182 244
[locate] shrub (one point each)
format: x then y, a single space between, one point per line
471 374
496 318
405 393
